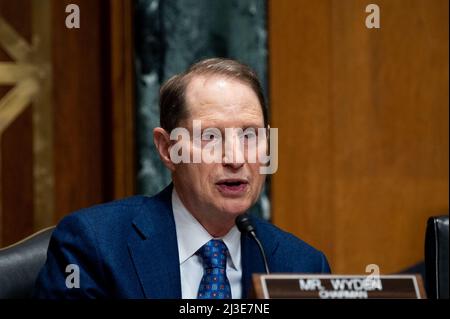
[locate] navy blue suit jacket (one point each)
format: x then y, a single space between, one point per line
128 249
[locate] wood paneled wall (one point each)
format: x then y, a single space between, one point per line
80 69
94 131
363 127
16 140
92 114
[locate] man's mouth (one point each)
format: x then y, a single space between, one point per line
232 187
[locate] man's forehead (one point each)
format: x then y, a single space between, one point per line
214 94
203 84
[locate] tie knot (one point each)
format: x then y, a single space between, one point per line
214 254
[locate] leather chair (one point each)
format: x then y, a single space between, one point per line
20 264
436 257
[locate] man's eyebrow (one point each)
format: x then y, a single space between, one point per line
220 124
254 125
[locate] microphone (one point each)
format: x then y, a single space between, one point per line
245 226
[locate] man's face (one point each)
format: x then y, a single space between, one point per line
222 189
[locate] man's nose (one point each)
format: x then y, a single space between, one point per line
233 153
233 165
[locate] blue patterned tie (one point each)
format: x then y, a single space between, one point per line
214 284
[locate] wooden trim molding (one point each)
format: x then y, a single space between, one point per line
122 98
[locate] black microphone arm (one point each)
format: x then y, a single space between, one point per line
245 226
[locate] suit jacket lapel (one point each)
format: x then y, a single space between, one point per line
252 261
154 250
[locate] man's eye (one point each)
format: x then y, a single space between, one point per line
248 135
208 136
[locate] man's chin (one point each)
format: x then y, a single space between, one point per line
235 209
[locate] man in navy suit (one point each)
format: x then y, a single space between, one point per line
183 242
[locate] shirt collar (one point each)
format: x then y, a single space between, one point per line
191 235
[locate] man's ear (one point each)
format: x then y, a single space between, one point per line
162 142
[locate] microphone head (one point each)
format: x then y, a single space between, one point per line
244 224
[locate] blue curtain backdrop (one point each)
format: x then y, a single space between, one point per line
170 35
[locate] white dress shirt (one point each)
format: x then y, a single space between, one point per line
190 237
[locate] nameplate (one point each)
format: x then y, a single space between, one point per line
293 286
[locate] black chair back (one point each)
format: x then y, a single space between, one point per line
436 257
20 264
